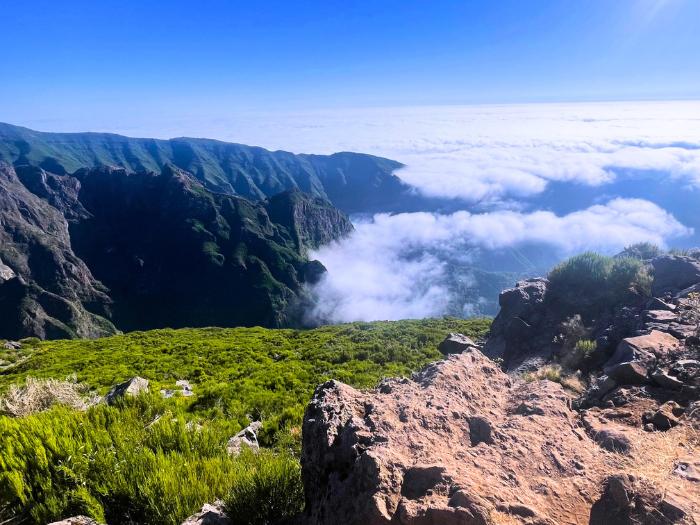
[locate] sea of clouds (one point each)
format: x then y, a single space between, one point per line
399 266
499 157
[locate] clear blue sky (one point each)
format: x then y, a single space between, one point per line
106 57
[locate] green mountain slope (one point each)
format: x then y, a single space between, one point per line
353 182
82 254
156 461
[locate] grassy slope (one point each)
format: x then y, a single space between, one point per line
145 460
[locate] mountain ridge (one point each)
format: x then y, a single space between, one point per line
353 182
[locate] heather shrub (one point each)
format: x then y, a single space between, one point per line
642 250
590 283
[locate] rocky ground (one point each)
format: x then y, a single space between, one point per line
470 441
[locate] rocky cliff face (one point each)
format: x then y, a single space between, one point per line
103 247
45 289
465 442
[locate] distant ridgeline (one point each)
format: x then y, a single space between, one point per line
353 182
106 249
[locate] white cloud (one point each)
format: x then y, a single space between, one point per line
399 266
478 152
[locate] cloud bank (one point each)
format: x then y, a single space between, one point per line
477 152
402 266
494 152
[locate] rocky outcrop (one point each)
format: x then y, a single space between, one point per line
246 438
132 387
673 273
628 500
460 443
456 344
45 289
524 328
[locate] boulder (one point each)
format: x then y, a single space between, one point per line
457 444
666 416
12 345
211 514
629 500
673 273
456 344
132 387
629 373
515 329
248 437
608 435
76 520
644 348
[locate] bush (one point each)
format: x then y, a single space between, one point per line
590 282
268 493
644 251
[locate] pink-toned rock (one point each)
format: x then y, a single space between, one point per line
453 445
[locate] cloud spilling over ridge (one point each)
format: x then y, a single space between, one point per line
400 266
492 152
487 152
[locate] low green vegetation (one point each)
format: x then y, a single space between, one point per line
588 283
155 461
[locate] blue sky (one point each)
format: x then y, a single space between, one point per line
111 58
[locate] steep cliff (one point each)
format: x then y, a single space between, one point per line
105 247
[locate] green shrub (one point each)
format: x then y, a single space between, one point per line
269 491
641 250
590 282
585 347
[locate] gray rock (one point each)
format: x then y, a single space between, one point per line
629 373
6 273
12 345
657 304
211 514
673 273
456 344
248 437
688 468
663 379
132 387
186 387
644 348
660 316
76 520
